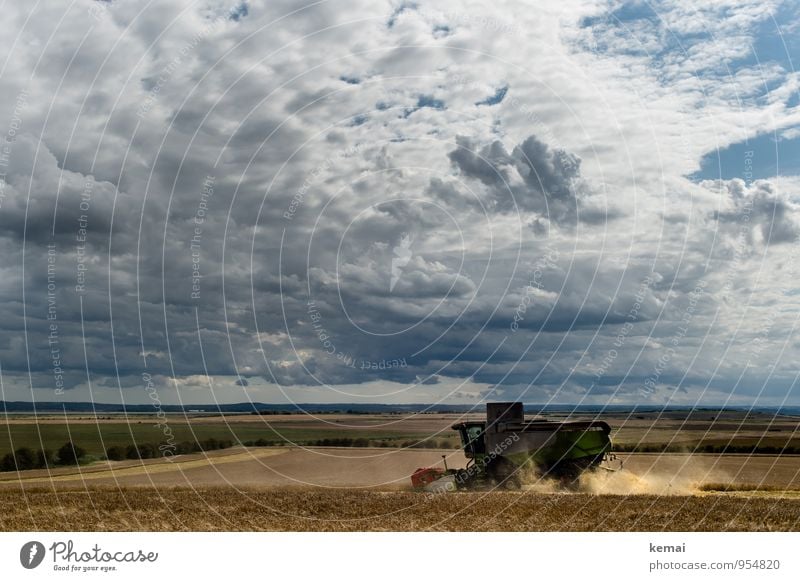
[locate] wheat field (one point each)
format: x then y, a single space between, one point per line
223 509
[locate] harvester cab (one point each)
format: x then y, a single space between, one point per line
472 438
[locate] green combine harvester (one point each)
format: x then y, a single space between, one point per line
507 447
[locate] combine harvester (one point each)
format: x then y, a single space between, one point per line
506 447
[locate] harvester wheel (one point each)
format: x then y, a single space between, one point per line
506 474
569 473
464 479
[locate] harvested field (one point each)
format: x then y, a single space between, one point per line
367 489
389 469
224 509
257 467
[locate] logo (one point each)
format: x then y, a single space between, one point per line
402 255
31 554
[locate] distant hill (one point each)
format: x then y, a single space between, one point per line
245 407
353 408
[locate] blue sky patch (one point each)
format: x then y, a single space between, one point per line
761 157
429 101
398 11
498 96
239 12
358 120
423 102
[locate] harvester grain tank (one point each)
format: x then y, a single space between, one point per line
507 446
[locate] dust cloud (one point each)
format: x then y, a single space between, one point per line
663 476
681 477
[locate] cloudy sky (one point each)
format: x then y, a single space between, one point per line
584 202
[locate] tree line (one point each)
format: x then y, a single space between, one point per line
69 454
147 450
444 443
27 459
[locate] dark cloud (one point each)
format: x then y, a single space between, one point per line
532 178
342 243
759 208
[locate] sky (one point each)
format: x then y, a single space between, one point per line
400 202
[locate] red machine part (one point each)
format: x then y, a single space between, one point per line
424 476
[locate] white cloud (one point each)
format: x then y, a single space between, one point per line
352 129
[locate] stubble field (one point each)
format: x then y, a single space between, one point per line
224 509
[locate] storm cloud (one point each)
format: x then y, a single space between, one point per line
390 202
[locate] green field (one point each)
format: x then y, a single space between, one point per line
707 431
95 438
